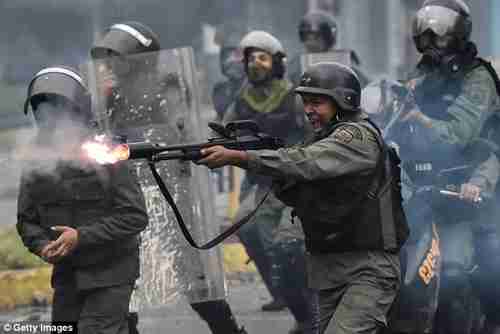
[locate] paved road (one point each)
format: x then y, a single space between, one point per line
244 297
245 300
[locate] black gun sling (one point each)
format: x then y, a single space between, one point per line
185 231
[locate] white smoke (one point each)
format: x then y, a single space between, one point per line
41 150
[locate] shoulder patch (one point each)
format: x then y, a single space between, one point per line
346 133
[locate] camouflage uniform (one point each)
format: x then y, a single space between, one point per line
350 277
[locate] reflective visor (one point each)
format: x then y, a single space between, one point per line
440 20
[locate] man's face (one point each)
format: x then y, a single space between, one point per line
314 43
260 65
319 109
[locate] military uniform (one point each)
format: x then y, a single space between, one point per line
455 107
104 204
107 208
153 99
275 108
486 231
325 182
344 185
277 115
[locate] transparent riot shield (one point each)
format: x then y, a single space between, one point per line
154 97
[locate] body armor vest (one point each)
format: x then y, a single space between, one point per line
79 198
353 212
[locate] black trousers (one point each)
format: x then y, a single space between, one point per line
97 311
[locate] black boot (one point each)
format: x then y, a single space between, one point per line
242 330
133 320
218 316
274 305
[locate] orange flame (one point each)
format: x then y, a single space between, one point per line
103 152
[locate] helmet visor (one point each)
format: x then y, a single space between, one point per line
440 20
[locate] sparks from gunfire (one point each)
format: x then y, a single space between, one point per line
103 152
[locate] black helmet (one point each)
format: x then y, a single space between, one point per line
61 82
264 41
443 18
319 22
334 80
125 39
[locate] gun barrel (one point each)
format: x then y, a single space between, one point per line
105 152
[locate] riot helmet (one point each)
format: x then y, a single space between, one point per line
114 54
264 41
59 85
125 50
337 81
321 24
125 39
441 29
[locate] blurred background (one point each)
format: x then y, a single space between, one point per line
35 33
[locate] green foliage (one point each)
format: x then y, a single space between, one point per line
13 254
25 287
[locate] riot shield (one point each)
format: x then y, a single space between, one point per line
154 97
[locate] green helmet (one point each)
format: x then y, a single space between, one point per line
334 80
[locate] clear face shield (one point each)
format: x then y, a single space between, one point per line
440 20
436 26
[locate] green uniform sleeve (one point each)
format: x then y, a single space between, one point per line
128 216
485 176
477 97
349 149
33 235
